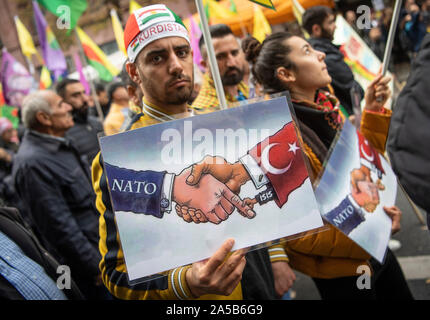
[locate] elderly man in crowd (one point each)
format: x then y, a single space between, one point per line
54 185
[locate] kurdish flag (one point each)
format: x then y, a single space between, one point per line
51 51
58 8
265 3
25 40
96 57
45 79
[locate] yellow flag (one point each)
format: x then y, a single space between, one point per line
218 11
298 11
25 41
45 79
265 3
118 31
134 6
261 25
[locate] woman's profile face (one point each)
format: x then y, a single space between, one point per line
310 69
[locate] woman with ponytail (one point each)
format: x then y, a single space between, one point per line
284 62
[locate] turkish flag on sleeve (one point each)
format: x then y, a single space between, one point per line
280 158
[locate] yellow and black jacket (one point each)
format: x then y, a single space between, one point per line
257 279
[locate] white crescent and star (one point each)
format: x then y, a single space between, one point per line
369 158
266 163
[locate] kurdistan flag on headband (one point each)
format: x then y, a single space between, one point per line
58 8
265 3
51 51
96 57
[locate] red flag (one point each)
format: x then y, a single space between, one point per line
369 157
280 158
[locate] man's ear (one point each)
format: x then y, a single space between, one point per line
132 72
316 31
132 95
285 75
43 119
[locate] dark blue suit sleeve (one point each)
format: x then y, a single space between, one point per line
135 191
345 216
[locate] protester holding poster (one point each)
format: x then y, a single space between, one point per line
160 61
329 257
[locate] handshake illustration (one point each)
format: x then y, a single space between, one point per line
208 191
364 190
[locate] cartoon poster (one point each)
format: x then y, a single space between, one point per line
363 62
179 189
357 182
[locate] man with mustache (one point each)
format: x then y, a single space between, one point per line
233 68
86 127
160 63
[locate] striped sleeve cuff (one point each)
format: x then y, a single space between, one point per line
277 253
178 283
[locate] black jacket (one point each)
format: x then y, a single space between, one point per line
341 75
55 187
409 135
14 227
84 135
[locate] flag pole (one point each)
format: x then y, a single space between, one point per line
93 89
391 34
211 56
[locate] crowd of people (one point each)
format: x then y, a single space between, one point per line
413 24
53 173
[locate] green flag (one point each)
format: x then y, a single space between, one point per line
233 6
10 113
69 10
265 3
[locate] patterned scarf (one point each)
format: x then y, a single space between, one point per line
319 121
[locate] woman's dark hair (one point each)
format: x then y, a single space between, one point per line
267 57
112 88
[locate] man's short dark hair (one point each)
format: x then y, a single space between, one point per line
112 88
99 87
125 77
315 15
61 86
216 31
